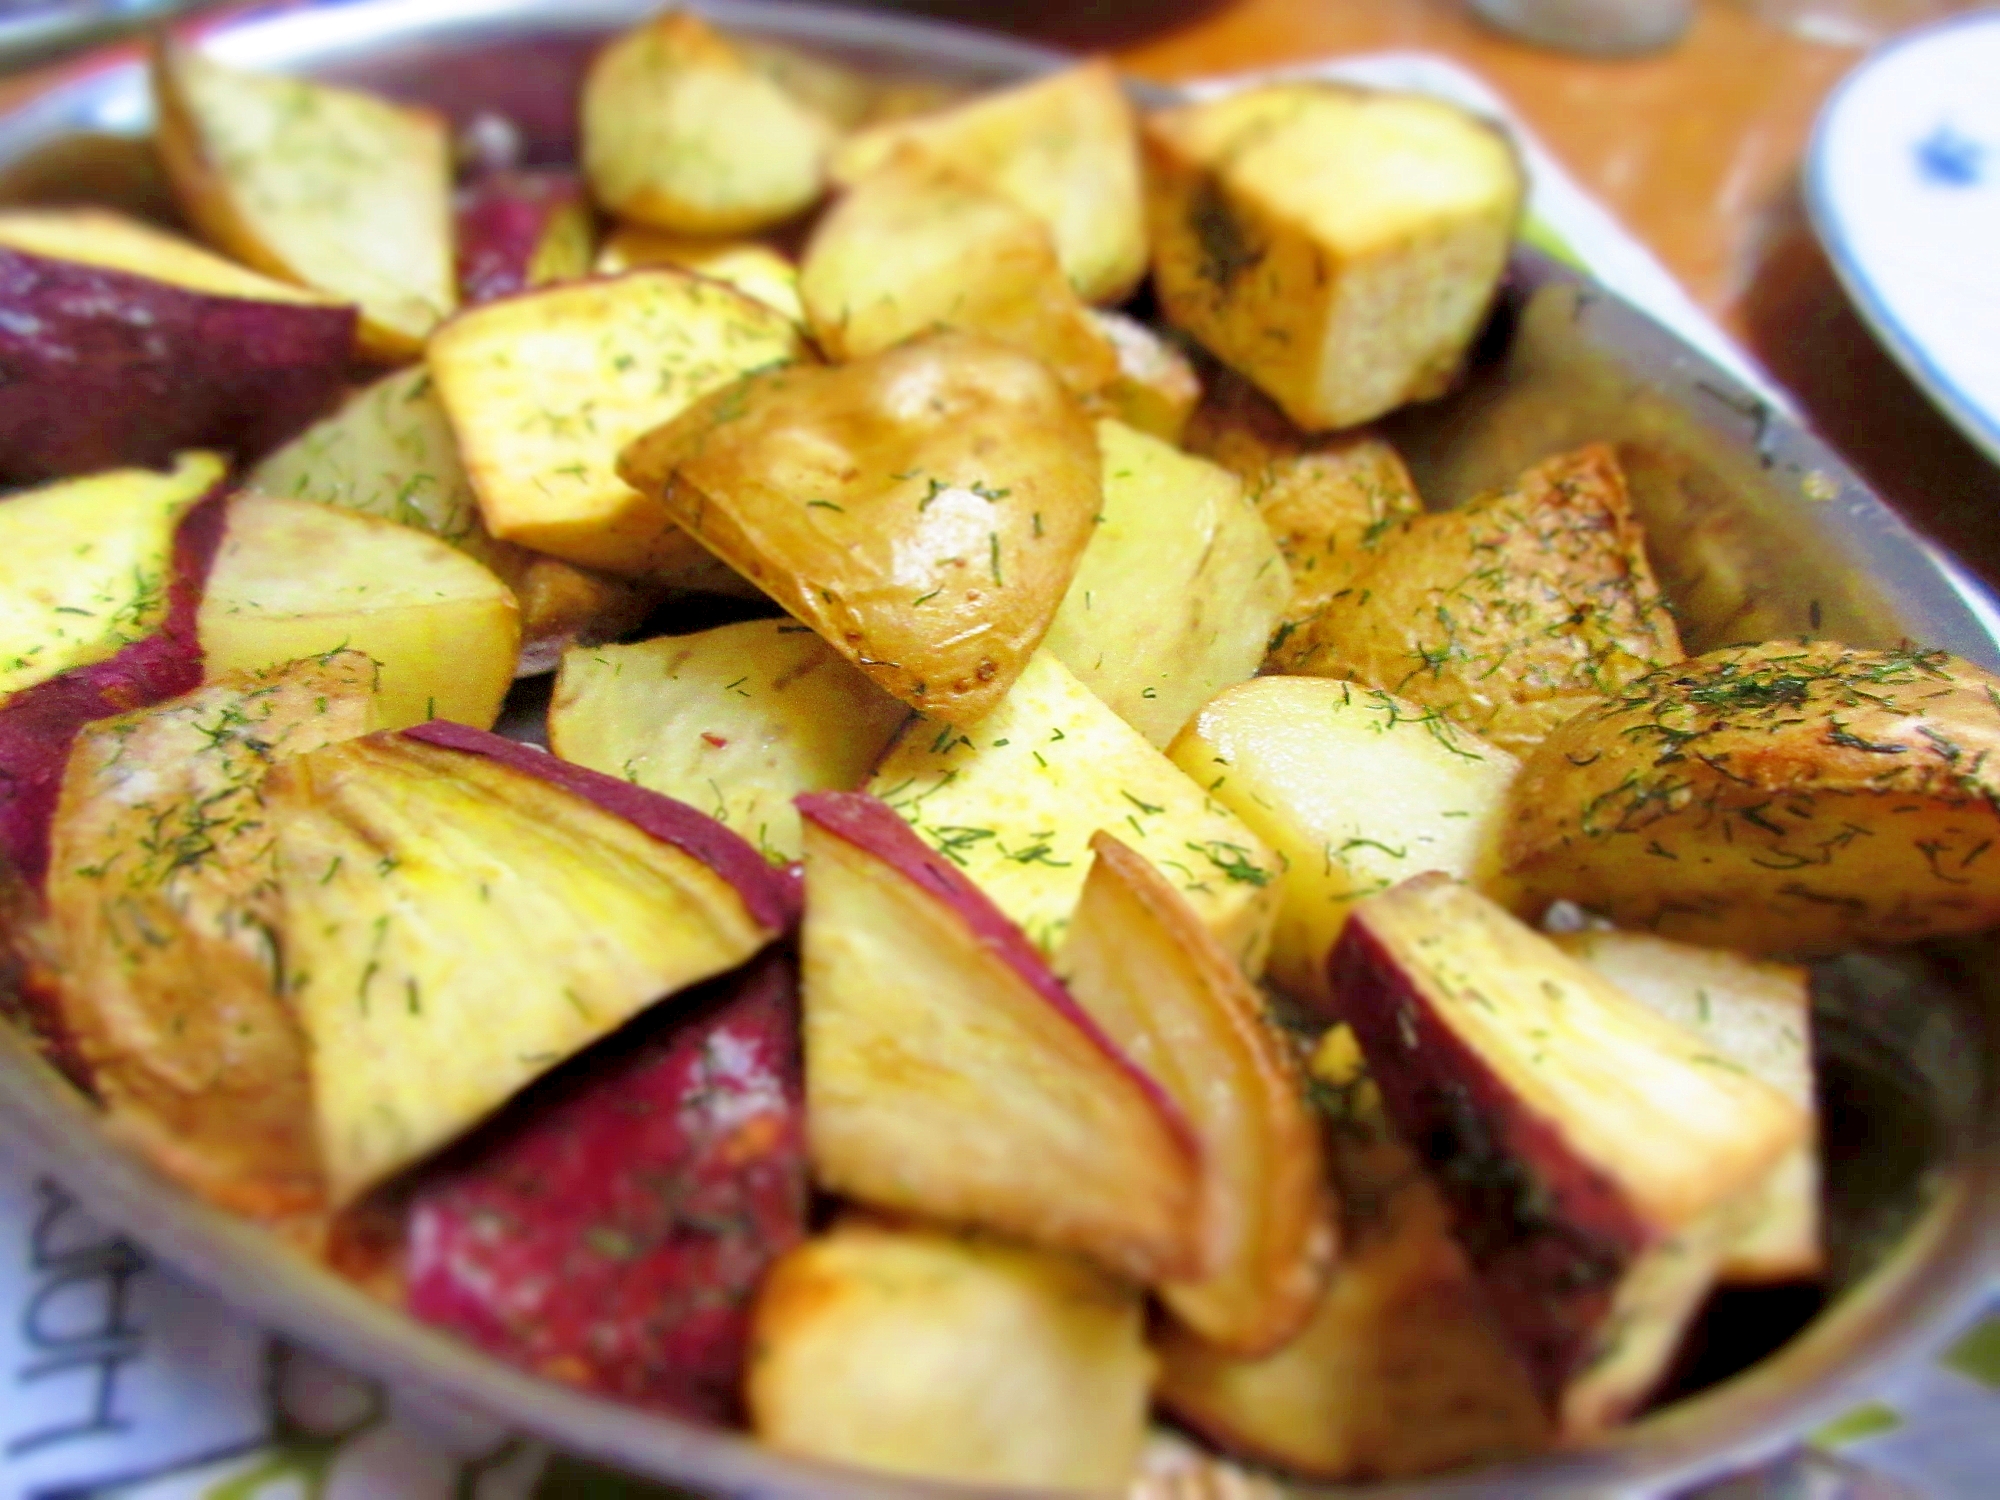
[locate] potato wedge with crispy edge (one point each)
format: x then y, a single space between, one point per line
753 268
737 721
125 345
680 131
1014 799
1156 387
1178 591
167 918
1139 959
913 246
1510 614
1790 798
543 390
324 186
950 1356
949 1073
389 452
1337 245
462 913
1759 1015
922 509
84 565
1592 1152
518 229
1354 790
1065 147
1329 500
444 633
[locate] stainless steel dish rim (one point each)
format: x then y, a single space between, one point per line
1908 1307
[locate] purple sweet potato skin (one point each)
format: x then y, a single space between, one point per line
1549 1235
39 724
611 1229
100 369
500 223
769 897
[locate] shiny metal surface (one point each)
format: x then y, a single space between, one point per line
1756 529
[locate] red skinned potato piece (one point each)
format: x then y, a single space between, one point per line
38 725
611 1228
949 1073
101 368
520 229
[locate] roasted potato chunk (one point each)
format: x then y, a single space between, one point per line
1013 800
1758 1015
1156 387
1354 790
1064 147
1328 500
444 633
1508 615
950 1357
167 919
680 131
736 721
914 246
1337 245
1789 798
543 390
922 509
1178 591
754 269
320 185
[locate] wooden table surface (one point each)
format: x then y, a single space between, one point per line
1696 149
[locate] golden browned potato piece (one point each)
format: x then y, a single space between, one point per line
1789 798
1329 500
1337 245
752 267
922 509
1155 388
914 246
167 921
314 184
682 132
1508 615
1064 147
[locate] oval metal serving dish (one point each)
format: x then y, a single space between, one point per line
1756 530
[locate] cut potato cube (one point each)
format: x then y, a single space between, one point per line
315 184
737 721
389 452
1592 1151
1355 790
949 1074
1329 501
1338 246
85 565
922 509
543 390
519 229
1064 147
1013 800
950 1357
167 920
1757 1014
443 631
111 242
1510 614
1400 1372
913 246
1177 594
754 269
456 924
1155 388
1139 960
680 131
1796 798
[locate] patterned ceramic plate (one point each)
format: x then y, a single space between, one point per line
1903 181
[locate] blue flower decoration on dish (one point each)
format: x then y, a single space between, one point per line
1948 158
